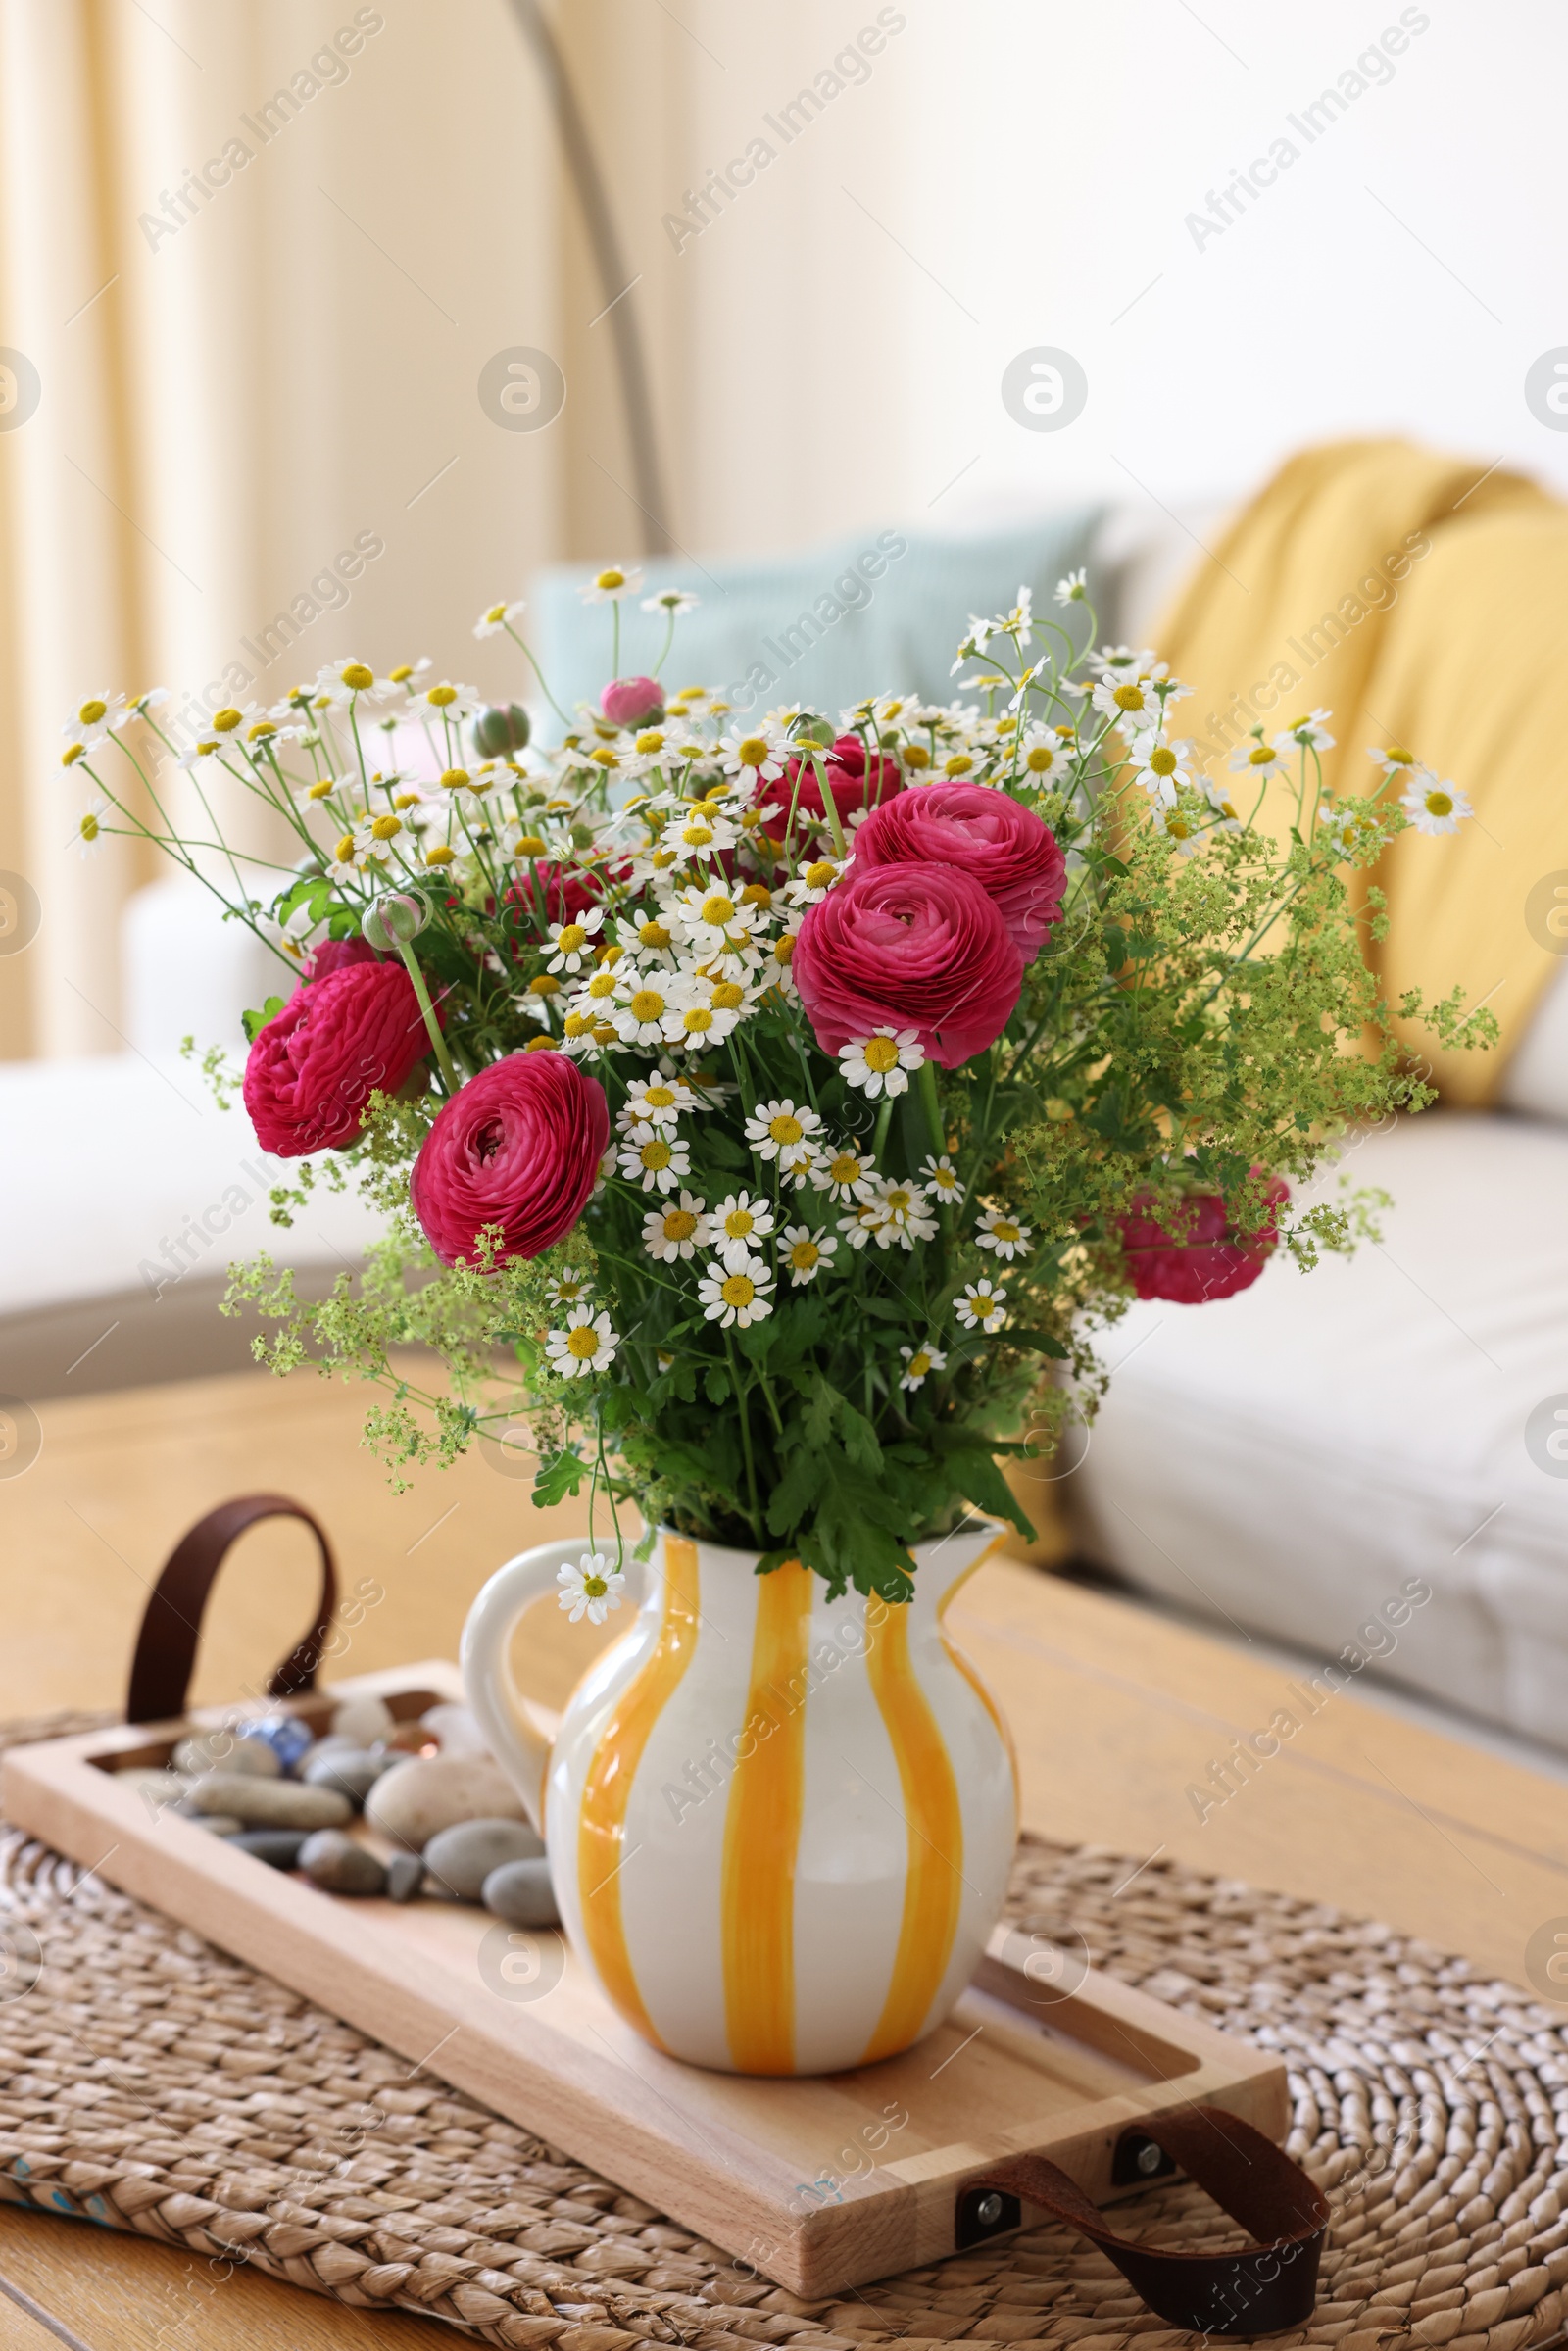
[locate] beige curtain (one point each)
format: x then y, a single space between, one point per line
244 373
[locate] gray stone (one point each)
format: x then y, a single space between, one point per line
339 1866
453 1728
419 1797
226 1751
218 1824
279 1848
270 1803
405 1875
364 1720
461 1858
520 1891
350 1769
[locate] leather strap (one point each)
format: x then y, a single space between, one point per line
166 1646
1270 2286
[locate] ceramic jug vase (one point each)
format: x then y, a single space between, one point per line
779 1827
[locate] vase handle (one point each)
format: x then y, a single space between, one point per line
522 1753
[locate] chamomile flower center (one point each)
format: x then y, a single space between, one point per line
454 778
441 695
1398 756
89 827
718 910
844 1168
611 579
697 1021
1263 757
358 676
803 1255
496 613
785 1128
737 1290
655 1153
571 938
739 1222
881 1054
752 750
659 1098
1130 697
728 996
1040 759
583 1341
1162 762
387 828
1439 803
961 763
647 1005
653 933
919 1365
679 1224
91 711
226 720
819 874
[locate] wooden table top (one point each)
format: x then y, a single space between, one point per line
1118 1716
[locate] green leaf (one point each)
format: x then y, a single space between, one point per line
717 1146
861 1445
558 1476
795 1491
982 1483
1041 1343
255 1022
717 1383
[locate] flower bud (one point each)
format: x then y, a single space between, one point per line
504 727
632 700
392 921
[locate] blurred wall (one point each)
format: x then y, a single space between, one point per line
910 200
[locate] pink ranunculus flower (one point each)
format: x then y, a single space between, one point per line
855 782
903 947
338 1041
1008 850
518 1147
631 700
336 954
1208 1257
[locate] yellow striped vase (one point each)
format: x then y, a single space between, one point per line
779 1826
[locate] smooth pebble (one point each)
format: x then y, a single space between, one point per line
349 1770
455 1729
339 1866
290 1739
364 1721
270 1803
520 1891
279 1848
217 1824
223 1752
405 1875
461 1858
416 1799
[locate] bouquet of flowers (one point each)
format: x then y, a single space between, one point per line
767 1111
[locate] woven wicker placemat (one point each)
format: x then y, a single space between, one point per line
150 2083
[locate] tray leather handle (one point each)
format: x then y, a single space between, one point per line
1270 2287
166 1646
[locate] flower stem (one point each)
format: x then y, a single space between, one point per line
432 1025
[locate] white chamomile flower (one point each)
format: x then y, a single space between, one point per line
942 1178
93 718
1258 759
653 938
673 601
445 701
586 1343
703 831
656 1102
90 827
919 1362
1218 795
797 1161
737 1291
1393 759
1072 590
1130 702
568 1288
700 1019
1433 807
497 617
139 704
1163 769
812 882
896 1212
738 1223
1124 660
677 1229
1004 1234
654 1160
776 1127
714 914
882 1062
1179 829
645 1011
1309 732
591 1589
613 584
982 1307
755 754
297 934
846 1175
571 944
1043 756
805 1251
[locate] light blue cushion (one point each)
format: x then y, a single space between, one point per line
880 612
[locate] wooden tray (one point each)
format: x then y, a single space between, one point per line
821 2184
